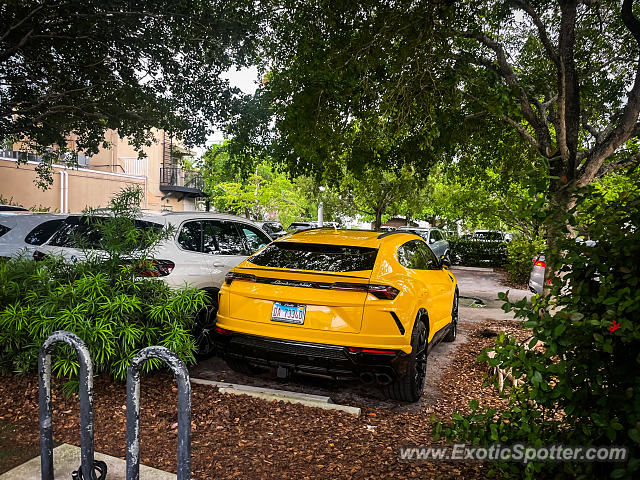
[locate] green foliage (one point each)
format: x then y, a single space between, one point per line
474 253
259 193
520 253
378 191
583 387
101 300
84 67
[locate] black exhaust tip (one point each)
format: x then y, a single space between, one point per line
383 379
367 378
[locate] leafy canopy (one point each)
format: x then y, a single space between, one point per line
81 67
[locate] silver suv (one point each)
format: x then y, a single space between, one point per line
203 248
434 237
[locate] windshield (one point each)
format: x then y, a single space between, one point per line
315 256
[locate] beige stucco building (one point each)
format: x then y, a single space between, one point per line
165 184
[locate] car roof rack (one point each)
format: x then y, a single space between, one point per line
392 232
312 228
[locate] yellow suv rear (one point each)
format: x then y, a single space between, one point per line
340 303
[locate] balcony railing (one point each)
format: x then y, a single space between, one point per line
178 177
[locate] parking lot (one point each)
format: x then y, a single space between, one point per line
475 284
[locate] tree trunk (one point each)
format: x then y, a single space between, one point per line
378 221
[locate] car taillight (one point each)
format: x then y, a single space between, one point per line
235 276
371 350
350 287
383 292
38 255
223 331
539 263
155 268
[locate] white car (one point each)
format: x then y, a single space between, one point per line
203 248
22 234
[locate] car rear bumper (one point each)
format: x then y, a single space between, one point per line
313 358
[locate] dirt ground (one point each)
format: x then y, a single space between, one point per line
244 437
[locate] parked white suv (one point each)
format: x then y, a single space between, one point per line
203 248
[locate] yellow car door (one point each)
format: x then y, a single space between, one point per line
433 286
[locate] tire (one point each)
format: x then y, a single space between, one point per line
408 388
241 366
204 327
453 331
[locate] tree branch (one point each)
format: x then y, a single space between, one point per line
627 124
609 167
542 31
539 125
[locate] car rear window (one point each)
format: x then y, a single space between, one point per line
43 232
315 256
84 232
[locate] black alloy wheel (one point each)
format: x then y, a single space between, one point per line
453 330
408 388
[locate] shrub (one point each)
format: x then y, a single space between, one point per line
475 253
101 300
520 253
583 388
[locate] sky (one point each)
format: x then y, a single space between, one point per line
246 79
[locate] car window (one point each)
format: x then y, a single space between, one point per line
435 236
409 255
86 232
221 238
190 236
3 229
316 257
254 237
43 232
77 232
430 258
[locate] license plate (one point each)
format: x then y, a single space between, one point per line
288 313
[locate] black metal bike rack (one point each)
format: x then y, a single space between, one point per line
133 411
88 467
86 404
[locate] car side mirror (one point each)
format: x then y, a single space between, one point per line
445 262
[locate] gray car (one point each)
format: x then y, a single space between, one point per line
434 237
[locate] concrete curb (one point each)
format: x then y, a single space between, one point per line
66 459
271 394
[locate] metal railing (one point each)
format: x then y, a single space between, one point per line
90 469
178 177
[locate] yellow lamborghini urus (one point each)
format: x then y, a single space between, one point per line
340 303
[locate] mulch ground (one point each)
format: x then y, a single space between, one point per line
244 437
507 282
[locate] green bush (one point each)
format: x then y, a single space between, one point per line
474 253
102 300
584 387
520 253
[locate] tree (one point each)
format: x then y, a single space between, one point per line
69 67
376 192
260 194
564 76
